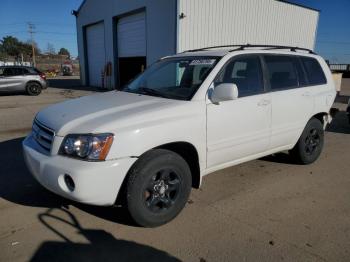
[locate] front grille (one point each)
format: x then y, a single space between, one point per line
43 135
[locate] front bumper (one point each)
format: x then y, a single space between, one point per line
96 183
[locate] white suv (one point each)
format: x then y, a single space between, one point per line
186 116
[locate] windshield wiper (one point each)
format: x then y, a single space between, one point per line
150 91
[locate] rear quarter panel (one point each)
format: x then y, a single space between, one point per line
324 95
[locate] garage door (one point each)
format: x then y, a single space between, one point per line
132 36
95 40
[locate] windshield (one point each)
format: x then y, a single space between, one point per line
174 78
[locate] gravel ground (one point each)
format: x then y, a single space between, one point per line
264 210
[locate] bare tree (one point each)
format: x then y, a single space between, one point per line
50 49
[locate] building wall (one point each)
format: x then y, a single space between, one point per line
222 22
160 26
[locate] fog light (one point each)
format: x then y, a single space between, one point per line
69 182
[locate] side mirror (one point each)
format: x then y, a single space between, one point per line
224 92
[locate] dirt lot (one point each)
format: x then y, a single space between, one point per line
264 210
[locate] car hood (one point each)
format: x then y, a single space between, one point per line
99 113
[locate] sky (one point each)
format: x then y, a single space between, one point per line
55 24
52 19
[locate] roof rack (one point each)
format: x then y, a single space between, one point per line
266 47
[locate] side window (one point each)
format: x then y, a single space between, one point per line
281 72
300 71
17 71
25 71
8 72
1 71
245 72
314 71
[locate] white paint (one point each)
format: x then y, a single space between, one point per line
224 134
95 39
131 32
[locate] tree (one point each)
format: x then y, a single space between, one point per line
64 51
50 49
11 46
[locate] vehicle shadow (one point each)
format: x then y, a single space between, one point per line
101 246
70 84
282 158
340 124
18 186
342 99
12 93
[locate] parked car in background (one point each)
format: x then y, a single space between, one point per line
186 116
67 69
22 78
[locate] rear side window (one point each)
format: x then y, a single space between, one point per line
314 71
281 72
25 71
30 71
246 73
300 71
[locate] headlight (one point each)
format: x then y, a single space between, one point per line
87 147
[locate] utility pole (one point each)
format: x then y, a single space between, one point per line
31 32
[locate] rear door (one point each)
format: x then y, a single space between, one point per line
292 100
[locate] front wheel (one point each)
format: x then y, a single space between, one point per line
33 89
310 144
158 187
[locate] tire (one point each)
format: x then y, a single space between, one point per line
33 89
310 144
158 187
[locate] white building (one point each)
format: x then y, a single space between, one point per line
118 38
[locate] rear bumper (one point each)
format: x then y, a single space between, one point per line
96 183
44 84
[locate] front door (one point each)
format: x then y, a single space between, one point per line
239 128
12 79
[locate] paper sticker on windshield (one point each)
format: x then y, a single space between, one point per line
203 62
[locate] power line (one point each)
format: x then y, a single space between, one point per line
39 32
38 23
55 33
334 42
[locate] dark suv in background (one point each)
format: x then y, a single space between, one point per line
22 78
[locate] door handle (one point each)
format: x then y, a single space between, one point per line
306 94
264 102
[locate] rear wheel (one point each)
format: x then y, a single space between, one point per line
158 187
33 89
310 144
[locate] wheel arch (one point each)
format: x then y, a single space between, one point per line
323 117
33 81
186 150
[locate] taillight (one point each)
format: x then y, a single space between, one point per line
43 76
